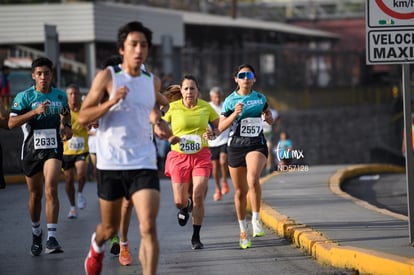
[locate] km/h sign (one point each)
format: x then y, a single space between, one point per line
390 31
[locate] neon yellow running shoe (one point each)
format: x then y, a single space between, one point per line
257 229
244 241
114 245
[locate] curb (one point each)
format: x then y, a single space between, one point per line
328 252
16 179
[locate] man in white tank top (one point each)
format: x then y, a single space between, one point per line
123 100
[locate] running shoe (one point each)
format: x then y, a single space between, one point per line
224 188
196 244
81 201
257 229
73 214
217 195
93 262
37 247
124 257
114 245
244 241
52 246
183 216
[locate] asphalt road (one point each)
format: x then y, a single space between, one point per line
387 191
269 255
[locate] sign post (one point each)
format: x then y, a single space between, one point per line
52 48
390 40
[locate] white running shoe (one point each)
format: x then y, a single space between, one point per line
257 229
72 214
81 201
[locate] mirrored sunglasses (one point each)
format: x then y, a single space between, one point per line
243 75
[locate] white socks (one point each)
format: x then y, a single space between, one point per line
255 216
243 225
95 245
36 229
51 230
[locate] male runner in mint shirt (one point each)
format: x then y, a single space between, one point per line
43 113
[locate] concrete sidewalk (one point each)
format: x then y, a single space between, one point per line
336 229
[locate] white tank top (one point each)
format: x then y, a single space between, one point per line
223 137
124 139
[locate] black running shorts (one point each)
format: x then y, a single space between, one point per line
70 160
115 184
33 161
236 156
217 150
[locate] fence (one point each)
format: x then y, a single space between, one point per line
295 76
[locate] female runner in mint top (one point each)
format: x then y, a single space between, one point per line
247 150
